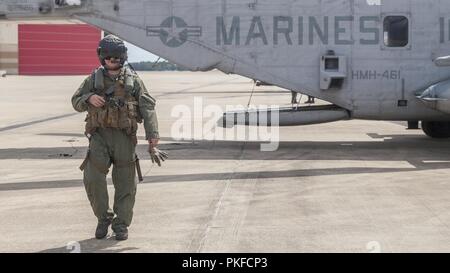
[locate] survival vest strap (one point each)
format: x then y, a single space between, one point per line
98 77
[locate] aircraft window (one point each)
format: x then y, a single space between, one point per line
67 3
396 31
332 64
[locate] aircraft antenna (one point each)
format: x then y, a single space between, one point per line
251 95
155 63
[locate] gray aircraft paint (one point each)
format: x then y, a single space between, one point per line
281 42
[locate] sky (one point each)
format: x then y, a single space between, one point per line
137 54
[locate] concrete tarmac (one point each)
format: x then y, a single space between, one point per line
350 186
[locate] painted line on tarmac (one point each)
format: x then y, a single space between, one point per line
25 124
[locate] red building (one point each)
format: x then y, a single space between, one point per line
52 49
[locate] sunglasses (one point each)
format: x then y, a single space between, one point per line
112 57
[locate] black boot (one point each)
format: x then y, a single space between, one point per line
102 228
121 234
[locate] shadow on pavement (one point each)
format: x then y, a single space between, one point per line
421 152
107 245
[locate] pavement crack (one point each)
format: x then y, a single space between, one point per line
218 206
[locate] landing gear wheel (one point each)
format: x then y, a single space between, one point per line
436 129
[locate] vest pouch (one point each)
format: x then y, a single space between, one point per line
101 117
124 120
94 120
113 117
92 117
131 110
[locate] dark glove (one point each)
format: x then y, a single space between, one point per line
158 156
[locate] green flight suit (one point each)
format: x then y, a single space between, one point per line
111 146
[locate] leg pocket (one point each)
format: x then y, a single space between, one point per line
99 157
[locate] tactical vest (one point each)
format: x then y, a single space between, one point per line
121 109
